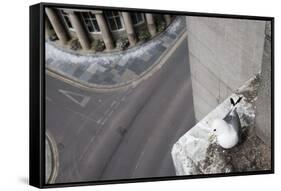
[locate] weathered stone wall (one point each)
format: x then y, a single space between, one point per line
224 54
263 119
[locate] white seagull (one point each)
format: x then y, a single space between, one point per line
227 130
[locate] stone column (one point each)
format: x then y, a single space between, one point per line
59 28
80 30
150 24
104 30
48 33
167 19
129 28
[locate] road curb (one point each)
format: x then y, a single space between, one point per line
55 158
131 83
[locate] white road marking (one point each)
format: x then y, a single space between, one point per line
110 113
99 121
104 120
106 112
87 148
116 105
113 103
77 98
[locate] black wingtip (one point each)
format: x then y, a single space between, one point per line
235 103
239 99
232 102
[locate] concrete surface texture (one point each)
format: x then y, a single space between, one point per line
196 153
224 54
263 120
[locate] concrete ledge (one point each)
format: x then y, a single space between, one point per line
195 153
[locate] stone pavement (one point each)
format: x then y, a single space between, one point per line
113 69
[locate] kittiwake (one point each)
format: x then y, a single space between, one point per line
227 130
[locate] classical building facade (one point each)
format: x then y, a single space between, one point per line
108 28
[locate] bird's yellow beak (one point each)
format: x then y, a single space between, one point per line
212 137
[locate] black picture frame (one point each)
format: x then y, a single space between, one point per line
37 95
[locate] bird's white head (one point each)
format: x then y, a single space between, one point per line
219 126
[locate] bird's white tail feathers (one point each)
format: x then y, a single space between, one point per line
234 105
231 113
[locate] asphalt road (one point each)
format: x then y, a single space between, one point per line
122 134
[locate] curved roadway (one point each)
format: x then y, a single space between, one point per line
123 134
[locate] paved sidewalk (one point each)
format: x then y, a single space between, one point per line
114 69
51 159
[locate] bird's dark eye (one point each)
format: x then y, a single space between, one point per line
214 129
